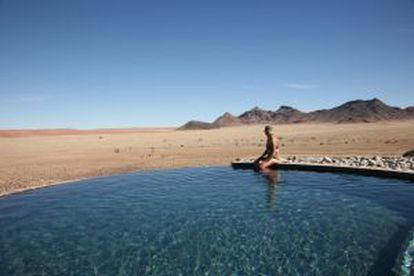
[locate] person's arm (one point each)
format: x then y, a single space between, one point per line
269 151
276 148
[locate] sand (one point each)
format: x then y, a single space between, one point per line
36 158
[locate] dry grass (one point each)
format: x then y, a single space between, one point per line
31 161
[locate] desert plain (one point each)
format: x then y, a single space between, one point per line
33 159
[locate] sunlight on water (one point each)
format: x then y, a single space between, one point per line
213 221
408 257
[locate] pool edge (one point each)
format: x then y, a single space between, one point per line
404 175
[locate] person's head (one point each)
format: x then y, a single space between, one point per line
268 130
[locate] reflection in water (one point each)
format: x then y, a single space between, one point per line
272 177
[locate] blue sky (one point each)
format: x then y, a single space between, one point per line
101 63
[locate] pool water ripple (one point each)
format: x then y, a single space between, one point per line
215 221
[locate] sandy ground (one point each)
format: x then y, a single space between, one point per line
33 160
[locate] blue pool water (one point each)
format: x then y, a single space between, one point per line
210 221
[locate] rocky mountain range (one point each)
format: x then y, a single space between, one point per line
357 111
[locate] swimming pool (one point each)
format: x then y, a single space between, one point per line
213 221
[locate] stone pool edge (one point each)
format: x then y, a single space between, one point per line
404 175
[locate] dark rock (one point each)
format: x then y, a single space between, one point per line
409 153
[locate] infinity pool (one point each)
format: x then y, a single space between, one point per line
211 221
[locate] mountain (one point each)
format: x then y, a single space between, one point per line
227 119
287 114
357 111
196 125
256 116
409 109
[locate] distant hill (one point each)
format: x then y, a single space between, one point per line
196 125
227 120
350 112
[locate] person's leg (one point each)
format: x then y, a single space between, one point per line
276 154
257 163
266 164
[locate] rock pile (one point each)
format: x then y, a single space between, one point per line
389 163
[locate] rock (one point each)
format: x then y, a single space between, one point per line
389 163
380 164
402 165
312 160
326 160
409 153
376 158
393 165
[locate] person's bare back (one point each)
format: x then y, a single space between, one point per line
271 154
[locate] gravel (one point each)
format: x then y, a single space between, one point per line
390 163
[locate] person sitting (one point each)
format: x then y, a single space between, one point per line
271 155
